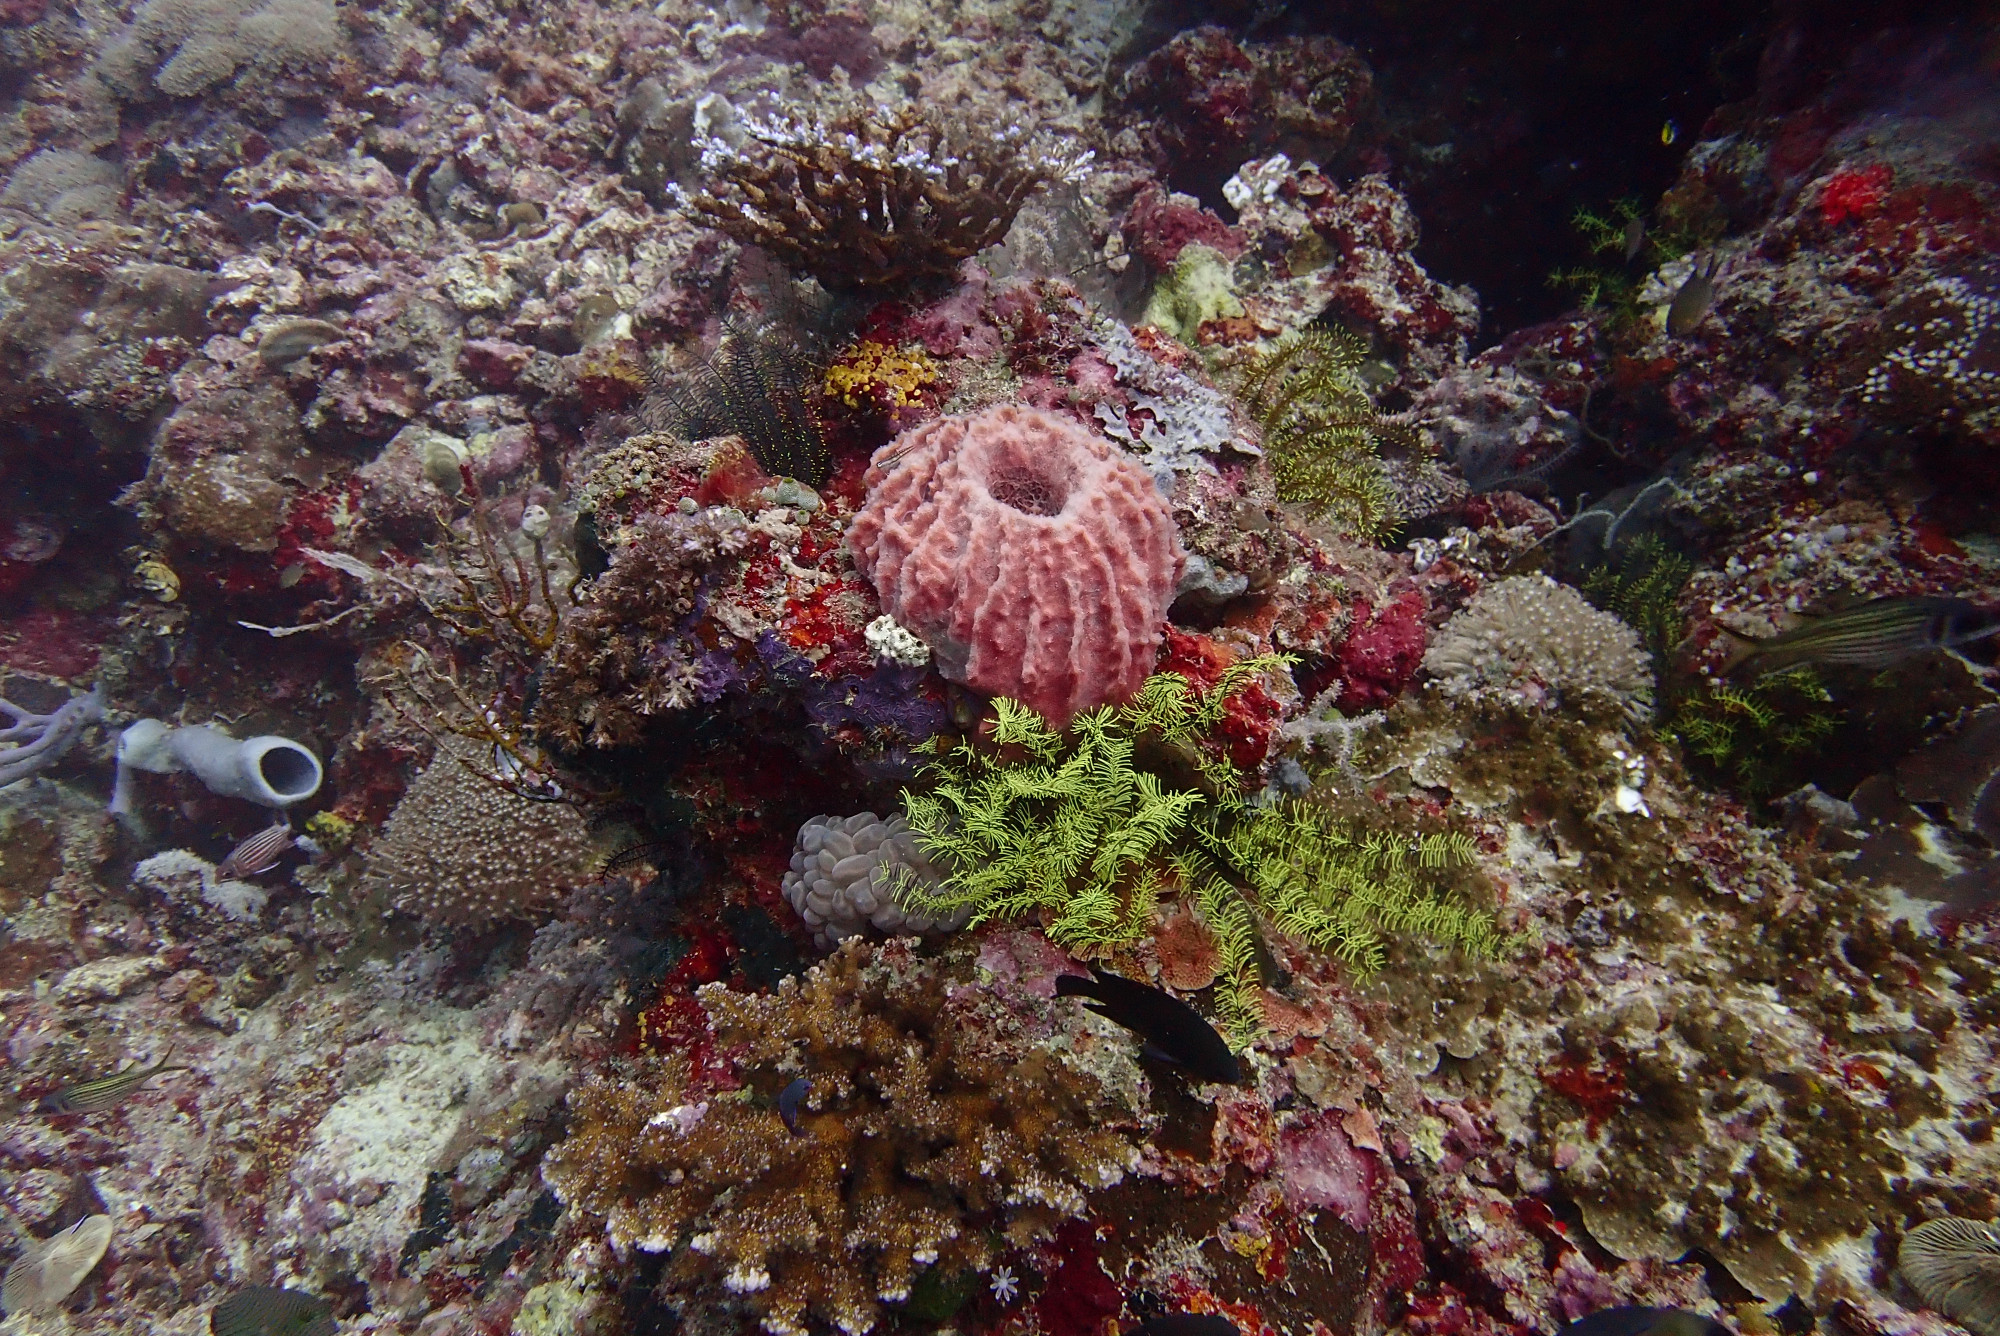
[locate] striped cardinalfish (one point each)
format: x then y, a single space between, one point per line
258 854
1876 634
105 1091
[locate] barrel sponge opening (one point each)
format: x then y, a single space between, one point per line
1033 556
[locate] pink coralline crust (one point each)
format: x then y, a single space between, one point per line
1158 225
1321 1169
1379 283
957 326
1034 557
1382 653
1854 193
495 363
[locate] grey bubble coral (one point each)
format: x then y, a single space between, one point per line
1543 643
844 874
1955 1265
459 849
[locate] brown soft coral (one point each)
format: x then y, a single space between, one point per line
922 1132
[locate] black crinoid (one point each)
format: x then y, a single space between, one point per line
761 382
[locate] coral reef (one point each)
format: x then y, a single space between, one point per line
366 379
924 1134
1033 558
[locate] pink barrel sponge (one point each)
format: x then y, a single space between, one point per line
1034 557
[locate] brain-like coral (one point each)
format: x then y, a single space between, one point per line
61 186
183 48
1034 557
926 1135
1544 642
844 876
460 849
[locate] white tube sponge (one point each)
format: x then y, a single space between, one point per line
268 770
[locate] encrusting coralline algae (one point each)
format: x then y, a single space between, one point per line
613 438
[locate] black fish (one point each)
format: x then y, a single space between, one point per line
788 1104
1174 1031
1877 634
1644 1322
264 1310
1187 1324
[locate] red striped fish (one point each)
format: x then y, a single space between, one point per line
258 854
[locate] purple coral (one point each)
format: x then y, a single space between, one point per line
34 742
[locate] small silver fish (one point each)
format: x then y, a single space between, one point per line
105 1091
1877 634
1697 294
258 854
1635 237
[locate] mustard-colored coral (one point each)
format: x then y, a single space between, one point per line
881 377
921 1115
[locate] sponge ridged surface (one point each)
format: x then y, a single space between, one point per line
1035 558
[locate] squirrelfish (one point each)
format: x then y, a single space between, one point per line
1877 634
105 1091
1174 1031
257 854
1633 1321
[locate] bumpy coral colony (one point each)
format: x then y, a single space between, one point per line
890 667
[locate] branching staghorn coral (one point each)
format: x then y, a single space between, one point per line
867 198
926 1135
1322 432
1088 829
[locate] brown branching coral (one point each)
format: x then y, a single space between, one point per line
924 1131
871 199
